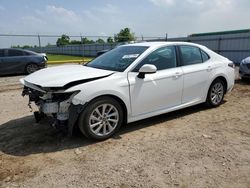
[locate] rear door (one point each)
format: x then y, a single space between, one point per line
2 56
196 72
14 62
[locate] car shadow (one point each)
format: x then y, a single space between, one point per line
13 75
22 137
243 82
161 119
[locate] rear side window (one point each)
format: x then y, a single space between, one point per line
204 55
1 53
15 53
190 55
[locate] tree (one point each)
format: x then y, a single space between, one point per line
18 46
124 35
27 46
75 42
63 40
110 40
23 47
101 41
87 41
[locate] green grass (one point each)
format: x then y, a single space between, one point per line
53 57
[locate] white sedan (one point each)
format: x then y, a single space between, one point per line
129 83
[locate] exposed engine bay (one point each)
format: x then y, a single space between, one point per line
53 104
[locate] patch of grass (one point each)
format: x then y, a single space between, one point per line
63 58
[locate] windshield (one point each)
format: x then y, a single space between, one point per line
117 59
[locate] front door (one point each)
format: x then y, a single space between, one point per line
160 90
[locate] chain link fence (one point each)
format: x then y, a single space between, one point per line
46 43
235 46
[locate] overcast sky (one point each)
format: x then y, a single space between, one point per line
107 17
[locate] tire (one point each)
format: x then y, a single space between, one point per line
30 68
216 93
95 124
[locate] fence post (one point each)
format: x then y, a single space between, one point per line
82 46
39 41
219 45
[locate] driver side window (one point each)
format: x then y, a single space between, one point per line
162 58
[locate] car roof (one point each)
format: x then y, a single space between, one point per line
158 44
11 49
20 49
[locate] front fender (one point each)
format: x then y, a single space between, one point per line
114 86
82 98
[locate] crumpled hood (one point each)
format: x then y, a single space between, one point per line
61 75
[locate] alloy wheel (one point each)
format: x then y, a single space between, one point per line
103 119
217 93
31 68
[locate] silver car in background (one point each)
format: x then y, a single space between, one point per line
14 61
245 68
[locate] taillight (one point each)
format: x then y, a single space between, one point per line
231 65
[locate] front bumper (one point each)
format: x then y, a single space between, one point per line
56 105
43 65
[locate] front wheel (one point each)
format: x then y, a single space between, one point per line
101 118
216 93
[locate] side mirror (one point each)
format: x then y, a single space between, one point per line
146 69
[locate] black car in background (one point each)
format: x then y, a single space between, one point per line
14 61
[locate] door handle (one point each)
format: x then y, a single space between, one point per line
209 68
177 75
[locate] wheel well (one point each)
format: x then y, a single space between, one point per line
223 79
74 129
30 63
124 108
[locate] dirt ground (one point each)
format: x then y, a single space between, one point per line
194 147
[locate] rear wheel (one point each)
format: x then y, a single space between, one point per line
101 118
216 93
30 68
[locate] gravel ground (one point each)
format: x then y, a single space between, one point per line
194 147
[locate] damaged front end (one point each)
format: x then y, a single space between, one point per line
51 102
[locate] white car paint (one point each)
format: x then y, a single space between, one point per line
164 91
61 75
156 91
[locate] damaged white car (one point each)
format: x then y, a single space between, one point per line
129 83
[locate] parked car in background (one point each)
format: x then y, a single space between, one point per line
118 44
245 68
130 83
101 52
21 61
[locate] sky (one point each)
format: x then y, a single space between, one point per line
152 18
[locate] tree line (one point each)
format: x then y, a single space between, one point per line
125 35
